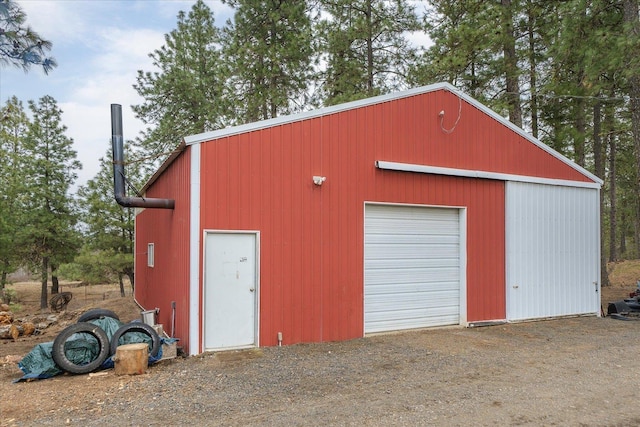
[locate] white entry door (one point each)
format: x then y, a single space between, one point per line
230 292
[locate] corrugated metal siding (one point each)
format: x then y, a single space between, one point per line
312 237
312 255
411 267
168 229
478 142
552 251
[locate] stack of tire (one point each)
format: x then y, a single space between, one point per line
86 332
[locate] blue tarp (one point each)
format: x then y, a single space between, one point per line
39 364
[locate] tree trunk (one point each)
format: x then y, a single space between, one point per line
370 82
3 282
623 233
55 284
131 359
581 127
599 166
43 280
636 225
557 142
633 27
531 23
511 64
273 82
613 198
121 284
131 275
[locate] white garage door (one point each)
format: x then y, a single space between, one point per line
552 251
411 267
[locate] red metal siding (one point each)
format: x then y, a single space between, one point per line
168 229
311 241
477 142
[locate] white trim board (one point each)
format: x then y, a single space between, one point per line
194 254
467 173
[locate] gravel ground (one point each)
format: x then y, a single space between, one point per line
565 372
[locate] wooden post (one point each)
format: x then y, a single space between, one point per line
131 359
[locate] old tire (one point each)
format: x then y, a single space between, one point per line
97 313
60 347
154 348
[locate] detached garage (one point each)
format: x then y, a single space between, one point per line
415 209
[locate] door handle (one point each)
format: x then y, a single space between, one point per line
251 289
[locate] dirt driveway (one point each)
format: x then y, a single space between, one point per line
568 372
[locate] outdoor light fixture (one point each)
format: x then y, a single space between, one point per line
318 180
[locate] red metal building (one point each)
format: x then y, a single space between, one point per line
415 209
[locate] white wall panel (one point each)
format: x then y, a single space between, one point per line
412 267
552 251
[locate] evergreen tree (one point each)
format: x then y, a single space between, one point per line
20 46
572 79
631 43
184 96
466 43
484 48
49 219
510 69
13 128
574 56
109 237
269 49
539 20
366 46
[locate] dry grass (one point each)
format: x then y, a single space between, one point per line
624 273
27 308
27 295
623 276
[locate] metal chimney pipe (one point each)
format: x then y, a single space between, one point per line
118 169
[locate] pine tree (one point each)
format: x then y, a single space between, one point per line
508 11
632 75
184 96
466 44
539 25
484 49
13 128
49 219
20 46
109 232
367 50
269 49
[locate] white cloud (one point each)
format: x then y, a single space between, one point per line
126 49
90 129
419 39
63 22
99 46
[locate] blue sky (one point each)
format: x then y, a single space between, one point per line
99 46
